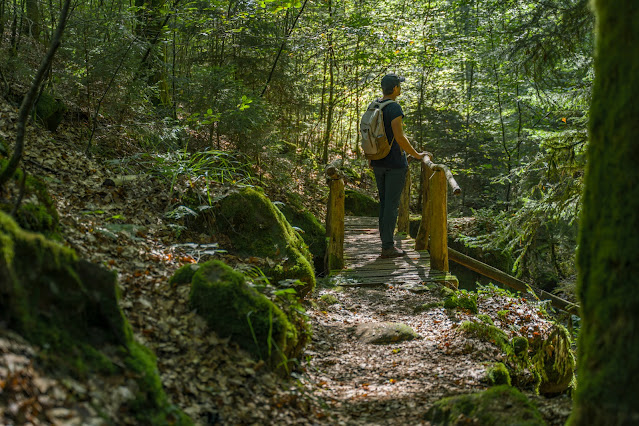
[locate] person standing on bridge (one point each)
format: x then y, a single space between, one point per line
390 171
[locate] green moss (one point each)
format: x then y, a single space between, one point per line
50 111
608 235
485 319
37 212
312 231
233 309
151 405
488 333
554 361
69 307
257 228
520 346
184 275
428 306
498 374
463 300
446 292
329 299
359 204
495 406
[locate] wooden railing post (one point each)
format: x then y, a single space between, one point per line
403 218
335 220
438 247
421 241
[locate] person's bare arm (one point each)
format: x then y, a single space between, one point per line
402 140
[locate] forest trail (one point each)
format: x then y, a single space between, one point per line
396 383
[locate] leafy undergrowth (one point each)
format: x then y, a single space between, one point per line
119 223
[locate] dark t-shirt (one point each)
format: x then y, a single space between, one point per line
396 158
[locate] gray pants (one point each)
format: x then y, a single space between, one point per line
390 183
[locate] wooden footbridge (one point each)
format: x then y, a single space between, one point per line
354 247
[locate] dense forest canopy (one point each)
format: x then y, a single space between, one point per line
497 90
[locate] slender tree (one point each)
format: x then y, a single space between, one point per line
608 256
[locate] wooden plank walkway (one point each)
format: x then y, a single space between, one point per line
364 267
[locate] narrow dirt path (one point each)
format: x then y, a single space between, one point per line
397 383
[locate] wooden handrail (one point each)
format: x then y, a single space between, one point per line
510 281
441 167
432 234
433 227
335 217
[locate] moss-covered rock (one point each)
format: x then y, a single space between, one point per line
312 231
554 361
427 307
497 374
70 308
329 299
359 204
499 405
50 111
462 299
233 309
37 212
184 275
255 227
548 369
384 333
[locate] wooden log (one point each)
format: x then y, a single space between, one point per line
333 171
449 175
438 247
335 226
403 219
421 241
510 281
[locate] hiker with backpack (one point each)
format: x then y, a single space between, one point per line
386 145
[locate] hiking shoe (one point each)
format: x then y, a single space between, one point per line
392 252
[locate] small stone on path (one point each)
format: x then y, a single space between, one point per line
384 333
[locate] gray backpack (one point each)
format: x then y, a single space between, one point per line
374 141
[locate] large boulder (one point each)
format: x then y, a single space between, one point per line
256 228
499 405
69 308
233 309
312 231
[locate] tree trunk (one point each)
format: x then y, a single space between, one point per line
608 255
331 102
33 23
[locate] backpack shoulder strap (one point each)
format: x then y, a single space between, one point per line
385 103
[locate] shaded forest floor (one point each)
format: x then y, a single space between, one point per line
118 224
